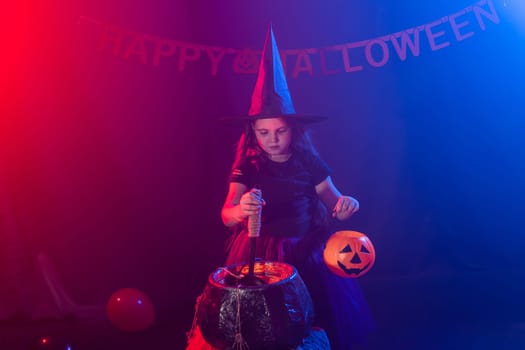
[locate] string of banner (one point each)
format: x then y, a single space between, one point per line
342 58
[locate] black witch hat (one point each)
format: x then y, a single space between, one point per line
271 97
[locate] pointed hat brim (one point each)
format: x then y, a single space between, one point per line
241 120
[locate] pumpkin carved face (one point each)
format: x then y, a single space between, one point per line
349 254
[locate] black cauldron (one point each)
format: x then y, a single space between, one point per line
275 315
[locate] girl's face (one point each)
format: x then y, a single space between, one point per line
274 136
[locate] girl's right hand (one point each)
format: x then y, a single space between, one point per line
251 202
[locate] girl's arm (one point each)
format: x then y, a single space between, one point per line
342 206
239 204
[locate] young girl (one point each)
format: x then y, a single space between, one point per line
294 190
278 173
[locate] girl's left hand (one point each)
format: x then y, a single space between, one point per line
345 207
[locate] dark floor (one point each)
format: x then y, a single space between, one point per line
438 309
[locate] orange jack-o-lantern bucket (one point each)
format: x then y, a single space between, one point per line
275 315
349 254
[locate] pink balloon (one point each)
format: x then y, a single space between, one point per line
130 310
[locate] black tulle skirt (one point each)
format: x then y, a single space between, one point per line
340 307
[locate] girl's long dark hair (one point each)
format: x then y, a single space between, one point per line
249 151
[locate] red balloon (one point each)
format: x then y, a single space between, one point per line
130 310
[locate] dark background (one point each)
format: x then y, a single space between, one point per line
117 170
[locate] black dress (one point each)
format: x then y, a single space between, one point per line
294 230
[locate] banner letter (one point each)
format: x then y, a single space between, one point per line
492 15
163 48
413 44
432 36
137 47
370 58
457 26
188 53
